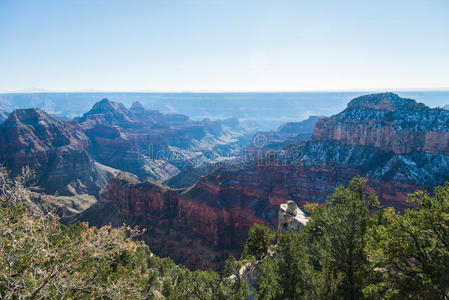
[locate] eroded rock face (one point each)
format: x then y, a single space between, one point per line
204 224
153 145
199 233
388 123
393 141
55 149
144 142
290 218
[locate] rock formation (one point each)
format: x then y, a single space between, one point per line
144 142
389 123
55 149
290 218
106 112
153 145
192 229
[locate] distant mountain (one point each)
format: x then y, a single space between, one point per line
399 144
154 145
108 113
305 126
77 157
288 133
255 111
155 116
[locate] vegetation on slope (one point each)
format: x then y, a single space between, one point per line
43 259
350 249
346 252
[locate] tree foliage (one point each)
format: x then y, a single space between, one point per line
337 236
350 250
327 260
259 239
411 250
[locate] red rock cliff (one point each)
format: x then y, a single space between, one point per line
389 123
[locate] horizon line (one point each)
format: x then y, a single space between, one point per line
441 89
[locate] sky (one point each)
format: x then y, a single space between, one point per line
224 45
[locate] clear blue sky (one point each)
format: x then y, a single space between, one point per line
223 45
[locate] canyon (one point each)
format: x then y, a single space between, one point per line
78 157
153 145
197 186
144 142
388 139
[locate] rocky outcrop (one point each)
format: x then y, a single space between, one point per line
55 149
389 139
290 218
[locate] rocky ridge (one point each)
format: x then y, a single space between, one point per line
55 149
78 157
153 145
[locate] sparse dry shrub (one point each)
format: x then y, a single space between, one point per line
40 258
